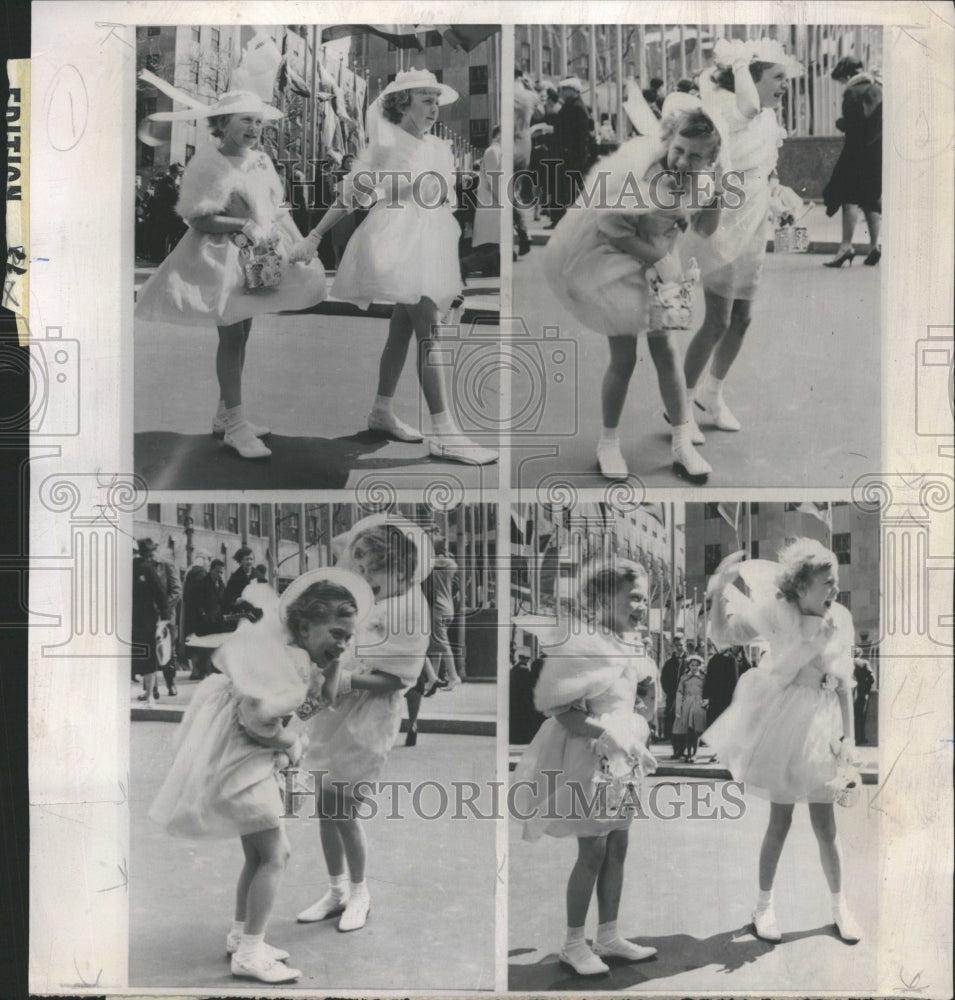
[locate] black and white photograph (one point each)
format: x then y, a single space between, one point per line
694 702
701 194
317 220
313 696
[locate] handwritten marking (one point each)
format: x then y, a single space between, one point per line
67 89
913 985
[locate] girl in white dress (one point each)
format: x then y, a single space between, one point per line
405 251
351 744
789 730
592 738
614 265
745 89
244 726
232 199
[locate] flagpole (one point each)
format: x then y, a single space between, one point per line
673 577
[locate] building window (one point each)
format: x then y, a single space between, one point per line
477 79
182 512
545 61
712 557
433 38
754 549
153 30
215 38
478 131
754 508
195 72
842 546
525 59
255 520
234 518
711 511
196 32
209 516
153 512
845 599
290 529
190 152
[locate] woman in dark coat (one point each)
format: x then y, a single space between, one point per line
856 181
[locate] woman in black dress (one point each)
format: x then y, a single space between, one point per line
856 181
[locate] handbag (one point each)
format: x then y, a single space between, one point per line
260 263
163 643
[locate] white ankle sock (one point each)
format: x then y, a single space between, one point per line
610 435
443 425
682 434
712 388
837 902
575 936
232 418
607 933
359 887
250 944
764 900
238 927
383 404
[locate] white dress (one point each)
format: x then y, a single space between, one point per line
201 283
597 674
407 247
731 260
351 742
777 735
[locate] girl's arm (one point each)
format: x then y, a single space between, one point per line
636 246
375 681
270 733
306 249
844 692
218 223
578 722
708 220
747 96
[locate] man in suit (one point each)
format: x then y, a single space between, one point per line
669 682
571 143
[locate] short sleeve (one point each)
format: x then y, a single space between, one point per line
396 638
619 225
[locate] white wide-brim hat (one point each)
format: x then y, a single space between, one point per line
233 102
421 79
416 534
352 582
574 82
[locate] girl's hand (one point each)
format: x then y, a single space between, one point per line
727 571
256 233
305 250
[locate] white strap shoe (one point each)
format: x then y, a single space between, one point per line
260 966
583 961
621 948
331 903
611 461
242 440
389 424
218 428
847 925
689 464
458 448
717 413
356 911
764 923
232 946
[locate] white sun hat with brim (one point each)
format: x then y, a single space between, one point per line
421 79
352 582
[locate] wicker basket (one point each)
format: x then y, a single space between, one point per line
791 239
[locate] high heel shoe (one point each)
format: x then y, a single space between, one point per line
873 257
838 261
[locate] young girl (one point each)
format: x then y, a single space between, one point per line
242 728
406 250
351 744
789 729
690 705
613 266
588 687
745 89
232 199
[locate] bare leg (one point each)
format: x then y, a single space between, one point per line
273 852
356 847
780 820
425 316
874 221
245 878
666 359
732 340
850 218
591 852
332 846
610 879
395 351
230 359
715 323
616 380
823 820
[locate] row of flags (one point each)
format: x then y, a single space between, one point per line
462 37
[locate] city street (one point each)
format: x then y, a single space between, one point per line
310 377
432 884
689 889
806 386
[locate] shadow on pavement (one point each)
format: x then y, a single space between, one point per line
167 460
676 953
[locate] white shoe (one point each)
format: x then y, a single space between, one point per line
232 946
847 926
245 442
696 435
388 423
356 911
260 966
611 461
583 961
218 428
328 905
764 923
688 463
716 412
621 948
458 448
